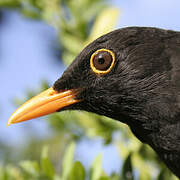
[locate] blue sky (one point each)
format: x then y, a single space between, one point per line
156 13
25 57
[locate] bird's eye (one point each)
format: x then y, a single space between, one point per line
102 61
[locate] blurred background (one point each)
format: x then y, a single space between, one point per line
38 40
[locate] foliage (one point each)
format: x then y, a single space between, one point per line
44 170
77 23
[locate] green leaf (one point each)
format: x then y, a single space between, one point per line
145 169
46 165
68 161
57 178
10 3
68 57
11 173
3 174
71 43
30 14
96 168
91 12
144 175
104 178
31 167
115 177
104 23
127 173
165 174
77 172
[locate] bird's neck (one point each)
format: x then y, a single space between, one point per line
166 142
161 132
155 122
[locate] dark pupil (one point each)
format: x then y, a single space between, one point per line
102 60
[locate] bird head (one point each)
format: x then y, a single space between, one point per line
113 76
131 75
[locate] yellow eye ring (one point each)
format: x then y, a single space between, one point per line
102 61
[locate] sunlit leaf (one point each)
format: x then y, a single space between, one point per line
68 161
77 172
31 167
104 178
46 165
96 168
166 175
140 163
71 43
104 23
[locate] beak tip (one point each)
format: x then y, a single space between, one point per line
45 103
8 124
10 121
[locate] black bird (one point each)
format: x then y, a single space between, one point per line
131 75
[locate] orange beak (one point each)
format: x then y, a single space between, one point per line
44 103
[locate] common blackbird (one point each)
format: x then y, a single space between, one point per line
131 75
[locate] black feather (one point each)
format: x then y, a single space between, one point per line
142 90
